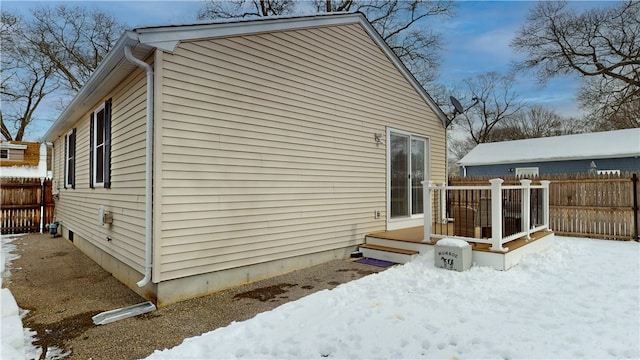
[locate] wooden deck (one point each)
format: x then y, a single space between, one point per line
416 235
412 234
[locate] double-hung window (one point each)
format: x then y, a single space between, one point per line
100 147
70 159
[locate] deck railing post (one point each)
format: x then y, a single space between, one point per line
525 207
545 202
426 201
496 215
442 219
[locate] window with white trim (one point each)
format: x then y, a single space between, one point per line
70 159
100 146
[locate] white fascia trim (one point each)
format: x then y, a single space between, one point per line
114 59
167 38
12 146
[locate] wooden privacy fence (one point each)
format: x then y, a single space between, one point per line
585 205
27 205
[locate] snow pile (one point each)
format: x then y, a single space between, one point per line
454 243
619 144
17 342
11 333
7 254
579 299
11 330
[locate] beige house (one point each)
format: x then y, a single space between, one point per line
233 152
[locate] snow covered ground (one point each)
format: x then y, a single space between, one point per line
579 299
11 324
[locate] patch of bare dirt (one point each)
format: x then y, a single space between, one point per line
62 289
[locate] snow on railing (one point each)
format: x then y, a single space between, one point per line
492 214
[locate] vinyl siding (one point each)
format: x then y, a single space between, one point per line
78 208
267 146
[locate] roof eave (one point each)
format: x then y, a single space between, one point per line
519 161
113 69
167 38
7 145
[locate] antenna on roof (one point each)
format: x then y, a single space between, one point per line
458 109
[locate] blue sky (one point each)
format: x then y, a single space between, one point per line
476 41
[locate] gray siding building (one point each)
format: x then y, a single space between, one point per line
600 152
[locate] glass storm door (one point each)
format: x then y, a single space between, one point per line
408 165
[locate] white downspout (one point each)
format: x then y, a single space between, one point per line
149 167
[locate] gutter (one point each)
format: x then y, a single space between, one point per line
148 240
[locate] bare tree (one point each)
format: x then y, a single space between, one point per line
601 44
532 122
611 105
332 6
244 8
627 116
538 121
457 148
489 103
74 39
26 78
54 51
497 102
402 24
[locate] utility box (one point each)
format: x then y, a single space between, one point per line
452 254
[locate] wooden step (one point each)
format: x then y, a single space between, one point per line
389 249
419 246
396 255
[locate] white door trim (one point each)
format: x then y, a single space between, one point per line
411 220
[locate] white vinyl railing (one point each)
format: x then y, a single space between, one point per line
435 197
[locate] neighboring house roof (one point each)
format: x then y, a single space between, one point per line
598 145
31 160
7 145
30 155
143 41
